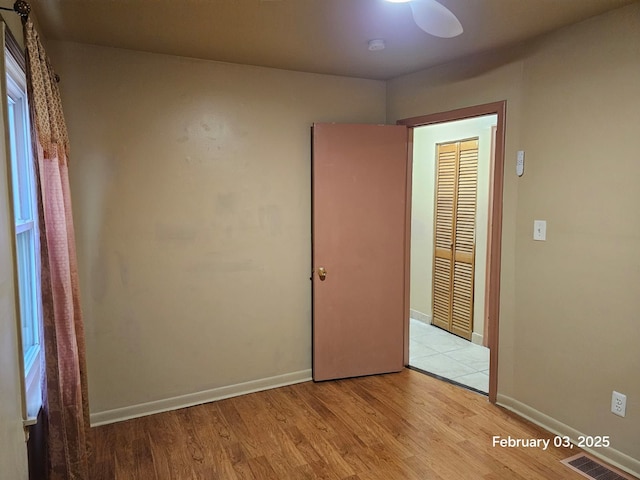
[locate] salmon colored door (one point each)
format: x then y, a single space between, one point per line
359 200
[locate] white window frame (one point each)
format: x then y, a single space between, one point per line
25 215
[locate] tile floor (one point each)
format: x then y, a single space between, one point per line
436 351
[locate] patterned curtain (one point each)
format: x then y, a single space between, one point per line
65 397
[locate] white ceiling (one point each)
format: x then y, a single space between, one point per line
322 36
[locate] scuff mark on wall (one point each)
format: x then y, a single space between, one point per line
174 233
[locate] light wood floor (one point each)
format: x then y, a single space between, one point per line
392 427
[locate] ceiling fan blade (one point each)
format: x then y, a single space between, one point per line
435 19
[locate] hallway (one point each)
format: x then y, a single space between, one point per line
439 352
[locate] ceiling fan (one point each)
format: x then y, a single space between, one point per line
434 18
430 16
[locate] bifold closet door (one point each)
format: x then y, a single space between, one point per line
455 216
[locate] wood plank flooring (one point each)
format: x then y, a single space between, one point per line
391 427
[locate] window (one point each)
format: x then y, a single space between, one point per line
26 230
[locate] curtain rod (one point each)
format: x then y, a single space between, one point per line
21 7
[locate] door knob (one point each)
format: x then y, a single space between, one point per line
322 273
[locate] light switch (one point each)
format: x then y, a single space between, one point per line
539 229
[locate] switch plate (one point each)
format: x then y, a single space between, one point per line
540 230
618 404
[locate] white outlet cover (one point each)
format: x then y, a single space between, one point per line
619 404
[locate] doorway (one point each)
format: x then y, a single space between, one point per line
450 204
487 249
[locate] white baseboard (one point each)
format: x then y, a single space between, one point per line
197 398
476 338
609 455
423 317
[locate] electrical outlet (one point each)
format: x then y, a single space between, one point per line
618 404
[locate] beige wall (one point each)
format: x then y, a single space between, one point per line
13 451
422 211
569 330
191 189
577 293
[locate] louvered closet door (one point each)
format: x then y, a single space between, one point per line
445 204
455 219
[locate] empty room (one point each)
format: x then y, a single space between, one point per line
337 239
